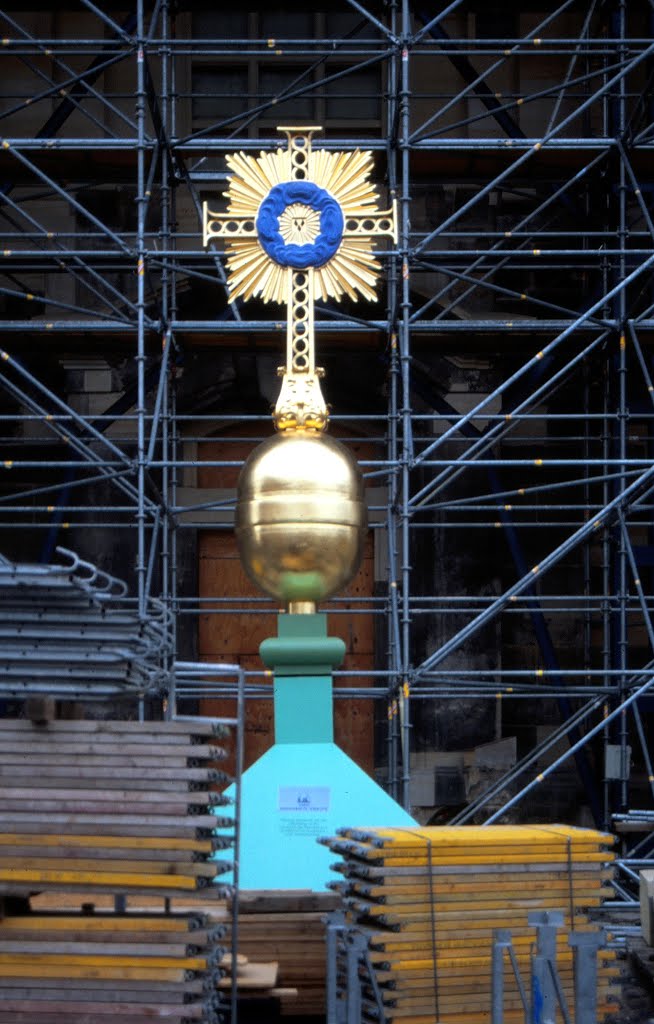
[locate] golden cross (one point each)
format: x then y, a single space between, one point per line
299 226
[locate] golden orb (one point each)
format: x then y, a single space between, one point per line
300 516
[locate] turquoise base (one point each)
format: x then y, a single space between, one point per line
294 794
304 787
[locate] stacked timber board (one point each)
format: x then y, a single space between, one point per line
83 968
114 809
428 901
289 928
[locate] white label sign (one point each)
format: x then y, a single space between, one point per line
304 799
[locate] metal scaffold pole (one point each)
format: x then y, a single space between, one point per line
141 204
405 357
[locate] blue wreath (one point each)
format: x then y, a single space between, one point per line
313 254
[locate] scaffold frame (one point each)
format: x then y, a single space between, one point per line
522 170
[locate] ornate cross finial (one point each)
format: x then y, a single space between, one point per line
299 226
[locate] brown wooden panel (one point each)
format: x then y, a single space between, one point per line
353 719
226 449
219 635
353 621
228 634
218 544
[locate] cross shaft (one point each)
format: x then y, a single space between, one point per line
300 403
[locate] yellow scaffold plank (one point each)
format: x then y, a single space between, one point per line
135 867
69 960
112 879
469 836
142 842
430 899
90 811
98 922
423 857
106 973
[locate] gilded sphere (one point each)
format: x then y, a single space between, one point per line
300 516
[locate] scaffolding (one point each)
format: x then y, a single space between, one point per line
505 374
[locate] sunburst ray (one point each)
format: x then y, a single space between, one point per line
352 269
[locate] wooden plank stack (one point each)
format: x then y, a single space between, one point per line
103 966
429 899
289 927
116 809
257 983
90 805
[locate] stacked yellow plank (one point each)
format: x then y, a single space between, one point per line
119 810
101 967
429 899
119 805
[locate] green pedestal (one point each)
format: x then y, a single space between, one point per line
302 647
302 657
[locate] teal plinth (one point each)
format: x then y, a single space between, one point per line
303 709
294 794
304 787
302 647
302 657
